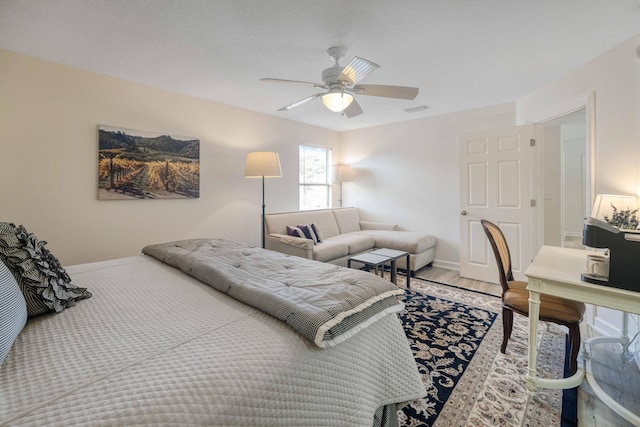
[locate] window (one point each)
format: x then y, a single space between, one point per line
315 188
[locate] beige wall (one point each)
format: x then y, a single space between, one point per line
49 115
611 79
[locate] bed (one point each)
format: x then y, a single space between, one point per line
156 346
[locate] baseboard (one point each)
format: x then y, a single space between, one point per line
573 234
446 264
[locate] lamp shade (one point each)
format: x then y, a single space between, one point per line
337 100
342 173
605 204
263 164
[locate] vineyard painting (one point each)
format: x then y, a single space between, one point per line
137 164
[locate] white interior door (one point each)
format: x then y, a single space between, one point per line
496 184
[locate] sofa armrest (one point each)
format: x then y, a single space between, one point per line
290 245
371 225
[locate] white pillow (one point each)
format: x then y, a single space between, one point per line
13 310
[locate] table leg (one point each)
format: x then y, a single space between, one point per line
408 272
625 328
533 382
393 271
534 312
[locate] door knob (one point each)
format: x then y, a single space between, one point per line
463 213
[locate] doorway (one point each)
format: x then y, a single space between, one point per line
566 176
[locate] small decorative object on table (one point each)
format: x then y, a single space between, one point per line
623 219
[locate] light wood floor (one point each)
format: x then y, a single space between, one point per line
619 377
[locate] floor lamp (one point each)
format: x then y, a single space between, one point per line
342 173
263 164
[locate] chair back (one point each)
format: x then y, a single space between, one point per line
501 252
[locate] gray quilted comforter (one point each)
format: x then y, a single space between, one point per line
155 347
325 303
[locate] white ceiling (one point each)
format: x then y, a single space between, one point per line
461 54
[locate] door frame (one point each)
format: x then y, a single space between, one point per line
588 102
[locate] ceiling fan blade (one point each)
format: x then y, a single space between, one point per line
353 109
356 70
297 82
399 92
300 102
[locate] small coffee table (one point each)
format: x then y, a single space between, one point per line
378 259
371 260
395 255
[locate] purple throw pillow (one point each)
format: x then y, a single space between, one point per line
295 232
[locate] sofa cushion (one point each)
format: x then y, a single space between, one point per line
348 219
329 250
356 242
408 241
323 219
373 225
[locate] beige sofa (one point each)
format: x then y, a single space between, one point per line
343 234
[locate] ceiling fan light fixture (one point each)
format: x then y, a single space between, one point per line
337 100
342 83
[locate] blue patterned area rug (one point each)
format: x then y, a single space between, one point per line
455 335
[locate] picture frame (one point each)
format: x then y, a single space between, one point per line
136 164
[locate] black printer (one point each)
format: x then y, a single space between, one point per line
624 254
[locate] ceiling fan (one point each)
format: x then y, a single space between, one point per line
340 84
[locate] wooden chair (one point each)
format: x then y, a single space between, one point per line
515 298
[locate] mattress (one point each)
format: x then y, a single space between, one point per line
154 346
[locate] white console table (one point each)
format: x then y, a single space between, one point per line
556 271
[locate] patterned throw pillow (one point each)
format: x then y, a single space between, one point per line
13 311
316 230
309 233
44 283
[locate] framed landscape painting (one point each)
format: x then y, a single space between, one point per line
135 164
